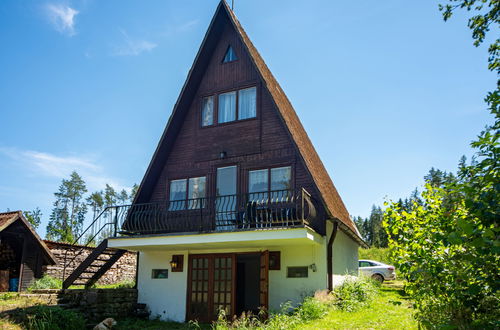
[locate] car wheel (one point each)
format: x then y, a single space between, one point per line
377 277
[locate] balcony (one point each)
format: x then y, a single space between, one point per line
250 211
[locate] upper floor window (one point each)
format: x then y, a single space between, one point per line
247 103
227 107
245 108
187 193
207 111
230 55
276 181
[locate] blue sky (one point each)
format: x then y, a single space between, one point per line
385 89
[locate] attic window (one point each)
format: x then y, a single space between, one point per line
230 55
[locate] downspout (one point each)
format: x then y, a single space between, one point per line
329 255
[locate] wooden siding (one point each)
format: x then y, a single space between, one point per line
261 142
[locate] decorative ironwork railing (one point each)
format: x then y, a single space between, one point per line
274 209
280 208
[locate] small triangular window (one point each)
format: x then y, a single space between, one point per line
230 55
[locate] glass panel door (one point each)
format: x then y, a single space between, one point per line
226 201
223 284
199 294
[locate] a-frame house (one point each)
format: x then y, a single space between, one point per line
236 210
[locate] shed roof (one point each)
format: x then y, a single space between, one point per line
8 218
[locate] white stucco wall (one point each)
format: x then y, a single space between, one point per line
166 298
345 256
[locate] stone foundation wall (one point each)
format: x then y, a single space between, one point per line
123 270
94 304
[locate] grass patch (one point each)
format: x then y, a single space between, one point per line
390 309
49 282
141 324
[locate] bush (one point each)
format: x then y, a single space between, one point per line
354 293
46 282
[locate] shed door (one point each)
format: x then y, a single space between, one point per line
264 281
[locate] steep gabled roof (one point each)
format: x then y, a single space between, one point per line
8 218
330 197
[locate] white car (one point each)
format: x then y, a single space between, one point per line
377 270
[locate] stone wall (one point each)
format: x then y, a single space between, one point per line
94 304
123 270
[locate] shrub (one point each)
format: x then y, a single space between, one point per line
46 282
354 293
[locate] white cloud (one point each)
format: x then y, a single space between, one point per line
53 166
132 47
188 25
62 18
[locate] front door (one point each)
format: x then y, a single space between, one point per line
211 286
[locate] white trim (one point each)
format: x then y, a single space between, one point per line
240 239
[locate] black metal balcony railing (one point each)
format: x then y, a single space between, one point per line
281 208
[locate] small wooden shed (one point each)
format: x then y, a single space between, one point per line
22 252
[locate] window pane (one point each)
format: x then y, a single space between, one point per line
281 178
196 190
225 204
227 107
247 103
177 194
230 55
258 184
207 111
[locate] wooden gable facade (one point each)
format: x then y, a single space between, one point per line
273 138
22 253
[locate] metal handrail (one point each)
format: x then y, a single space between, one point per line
270 209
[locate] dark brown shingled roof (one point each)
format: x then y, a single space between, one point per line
7 218
330 197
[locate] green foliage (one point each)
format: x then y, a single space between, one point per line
46 282
34 217
371 228
354 294
53 318
450 255
69 210
486 16
351 295
377 254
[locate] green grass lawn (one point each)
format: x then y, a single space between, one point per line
391 309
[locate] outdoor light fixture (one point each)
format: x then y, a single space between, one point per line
177 263
313 267
222 155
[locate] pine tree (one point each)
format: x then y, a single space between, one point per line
34 217
69 210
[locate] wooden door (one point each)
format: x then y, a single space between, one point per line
198 288
264 282
211 286
224 285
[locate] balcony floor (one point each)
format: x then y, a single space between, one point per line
256 238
